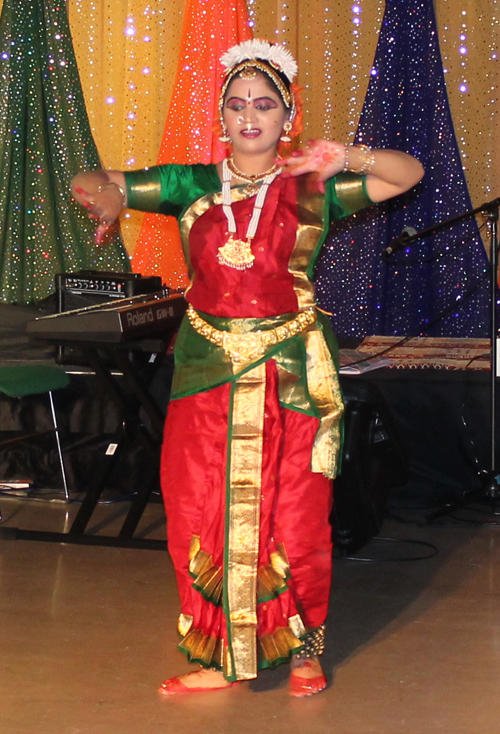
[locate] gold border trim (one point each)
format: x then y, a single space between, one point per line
207 650
245 481
322 378
184 624
311 222
212 652
278 647
324 387
272 579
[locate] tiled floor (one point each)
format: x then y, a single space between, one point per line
87 633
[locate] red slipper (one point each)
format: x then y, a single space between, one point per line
174 685
300 686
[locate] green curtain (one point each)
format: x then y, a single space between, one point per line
45 139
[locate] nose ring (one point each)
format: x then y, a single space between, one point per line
240 120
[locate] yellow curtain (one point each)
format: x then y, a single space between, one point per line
469 33
127 54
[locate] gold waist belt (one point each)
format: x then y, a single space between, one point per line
251 346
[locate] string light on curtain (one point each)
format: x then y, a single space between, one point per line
493 98
251 13
356 20
463 86
286 25
329 60
320 36
463 50
138 31
364 20
469 36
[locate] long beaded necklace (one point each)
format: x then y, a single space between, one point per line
236 253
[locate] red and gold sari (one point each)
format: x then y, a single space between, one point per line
252 435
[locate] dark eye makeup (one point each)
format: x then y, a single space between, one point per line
261 103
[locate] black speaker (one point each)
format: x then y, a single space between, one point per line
85 288
374 459
90 287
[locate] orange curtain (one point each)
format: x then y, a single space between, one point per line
191 128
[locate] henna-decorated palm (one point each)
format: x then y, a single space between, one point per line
323 158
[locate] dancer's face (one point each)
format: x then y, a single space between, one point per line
254 115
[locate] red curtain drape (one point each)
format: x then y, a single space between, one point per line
191 128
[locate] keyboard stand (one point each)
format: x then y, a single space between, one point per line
142 424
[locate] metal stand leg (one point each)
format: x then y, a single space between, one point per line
59 450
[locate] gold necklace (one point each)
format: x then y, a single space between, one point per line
248 177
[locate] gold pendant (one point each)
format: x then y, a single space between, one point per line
236 254
251 189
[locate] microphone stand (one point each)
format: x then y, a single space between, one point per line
489 485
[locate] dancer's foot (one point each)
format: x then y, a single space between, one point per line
306 676
196 681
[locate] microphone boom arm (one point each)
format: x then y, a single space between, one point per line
405 238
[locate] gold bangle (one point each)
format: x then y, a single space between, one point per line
368 161
120 189
346 157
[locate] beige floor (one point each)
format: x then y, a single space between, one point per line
87 634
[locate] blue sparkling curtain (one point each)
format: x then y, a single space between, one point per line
439 285
45 139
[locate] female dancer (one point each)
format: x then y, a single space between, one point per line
252 434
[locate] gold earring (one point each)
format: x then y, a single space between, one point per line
285 138
224 136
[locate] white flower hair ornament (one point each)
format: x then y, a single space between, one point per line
274 53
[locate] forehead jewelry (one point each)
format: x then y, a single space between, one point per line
248 74
237 253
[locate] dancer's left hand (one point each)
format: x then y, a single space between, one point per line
323 158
